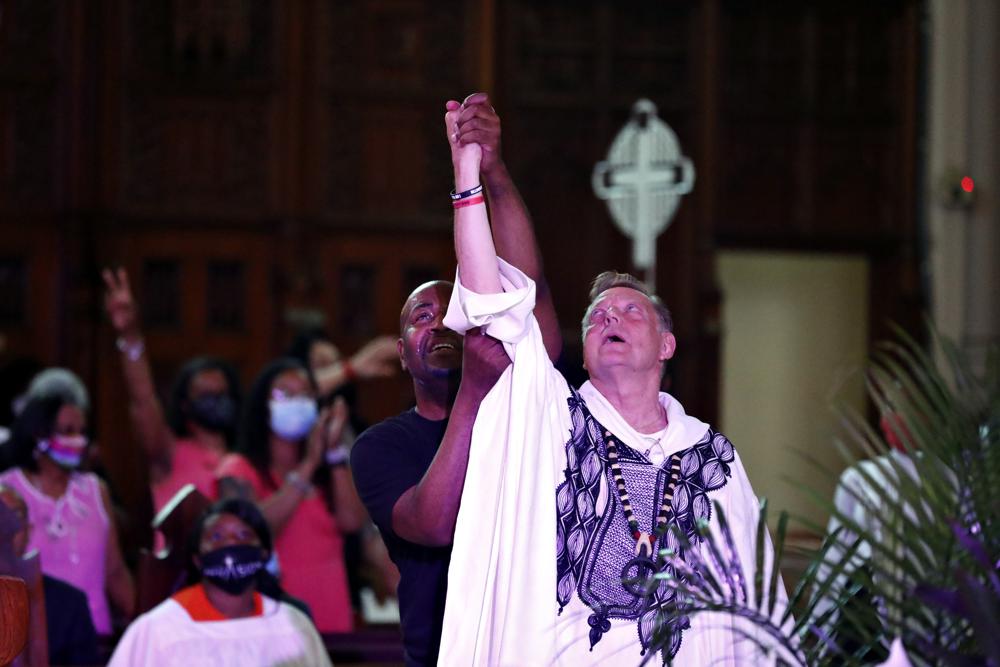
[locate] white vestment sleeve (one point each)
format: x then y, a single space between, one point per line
501 581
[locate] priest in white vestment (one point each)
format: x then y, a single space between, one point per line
570 495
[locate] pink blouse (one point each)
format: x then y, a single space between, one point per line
191 464
71 536
310 551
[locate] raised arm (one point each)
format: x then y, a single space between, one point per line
513 232
376 359
426 512
477 257
145 411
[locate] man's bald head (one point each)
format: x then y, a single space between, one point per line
422 295
429 351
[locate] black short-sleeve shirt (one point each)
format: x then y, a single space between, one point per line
386 460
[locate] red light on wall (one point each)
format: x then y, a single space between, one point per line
968 184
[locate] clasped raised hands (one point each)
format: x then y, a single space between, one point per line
473 129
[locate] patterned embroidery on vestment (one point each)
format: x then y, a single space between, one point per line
593 541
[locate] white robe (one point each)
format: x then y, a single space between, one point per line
501 607
167 636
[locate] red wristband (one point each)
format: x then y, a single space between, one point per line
470 201
349 371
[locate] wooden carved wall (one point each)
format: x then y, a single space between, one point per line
256 163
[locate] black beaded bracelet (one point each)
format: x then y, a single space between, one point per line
468 193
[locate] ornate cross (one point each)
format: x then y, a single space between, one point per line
643 181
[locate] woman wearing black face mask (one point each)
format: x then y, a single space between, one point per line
223 619
308 500
70 511
186 445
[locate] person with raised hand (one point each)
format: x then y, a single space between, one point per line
186 444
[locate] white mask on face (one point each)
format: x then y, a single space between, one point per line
291 418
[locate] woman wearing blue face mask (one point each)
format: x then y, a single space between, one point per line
222 618
289 462
70 511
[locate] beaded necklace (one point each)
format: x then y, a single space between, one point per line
643 541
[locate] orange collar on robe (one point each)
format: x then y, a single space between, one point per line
196 603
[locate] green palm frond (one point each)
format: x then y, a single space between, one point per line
917 558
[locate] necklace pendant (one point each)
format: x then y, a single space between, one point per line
644 545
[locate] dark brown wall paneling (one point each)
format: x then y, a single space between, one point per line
814 111
383 70
196 108
32 78
290 155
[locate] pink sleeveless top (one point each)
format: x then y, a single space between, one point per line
71 536
191 464
310 552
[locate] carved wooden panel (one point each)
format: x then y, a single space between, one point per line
814 122
384 70
27 133
357 301
394 47
557 47
226 295
161 294
29 74
195 156
28 32
227 41
651 45
195 109
13 291
32 313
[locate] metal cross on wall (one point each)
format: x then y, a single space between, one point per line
643 181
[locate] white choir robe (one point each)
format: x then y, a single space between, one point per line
167 636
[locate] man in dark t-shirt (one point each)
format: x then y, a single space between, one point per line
391 458
410 469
